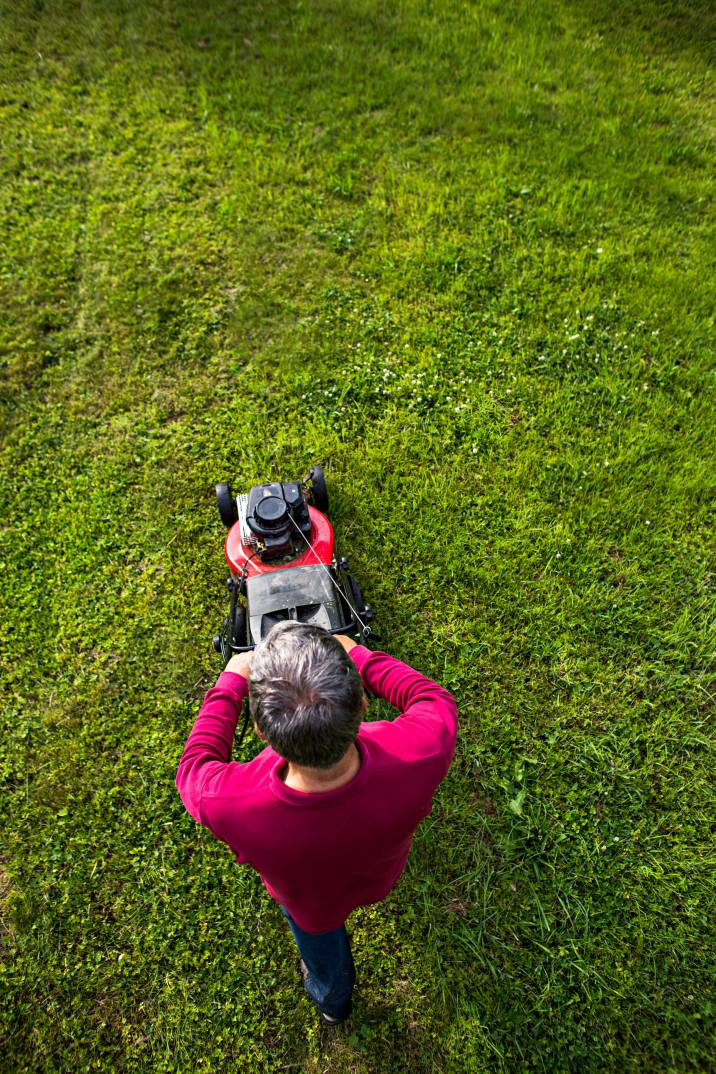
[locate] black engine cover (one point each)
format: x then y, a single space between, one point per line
275 513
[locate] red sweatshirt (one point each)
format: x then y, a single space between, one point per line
322 854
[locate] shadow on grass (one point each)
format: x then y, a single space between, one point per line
671 29
381 1038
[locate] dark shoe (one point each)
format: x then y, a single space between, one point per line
330 1021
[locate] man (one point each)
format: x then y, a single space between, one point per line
326 813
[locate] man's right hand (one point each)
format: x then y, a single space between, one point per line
345 641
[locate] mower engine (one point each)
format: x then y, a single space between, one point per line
281 556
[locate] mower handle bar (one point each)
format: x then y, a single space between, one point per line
366 632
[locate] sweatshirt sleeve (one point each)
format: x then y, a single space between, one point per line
422 702
207 752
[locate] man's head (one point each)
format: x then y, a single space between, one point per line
305 695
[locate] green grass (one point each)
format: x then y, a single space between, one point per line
462 254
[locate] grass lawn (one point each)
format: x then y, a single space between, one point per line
463 255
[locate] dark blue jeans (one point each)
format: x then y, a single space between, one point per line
331 972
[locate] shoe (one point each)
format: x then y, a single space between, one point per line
330 1021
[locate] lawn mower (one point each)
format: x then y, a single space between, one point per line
283 565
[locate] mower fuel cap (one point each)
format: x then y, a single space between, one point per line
271 511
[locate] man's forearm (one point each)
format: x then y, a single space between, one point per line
208 748
397 683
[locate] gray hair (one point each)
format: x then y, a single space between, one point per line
305 694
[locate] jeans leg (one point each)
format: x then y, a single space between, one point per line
331 971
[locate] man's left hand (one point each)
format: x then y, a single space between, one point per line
240 664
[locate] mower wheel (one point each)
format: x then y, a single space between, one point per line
227 505
222 642
319 492
357 596
239 637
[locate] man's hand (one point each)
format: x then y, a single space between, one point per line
345 641
240 664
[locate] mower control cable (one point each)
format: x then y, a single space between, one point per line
245 568
365 628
